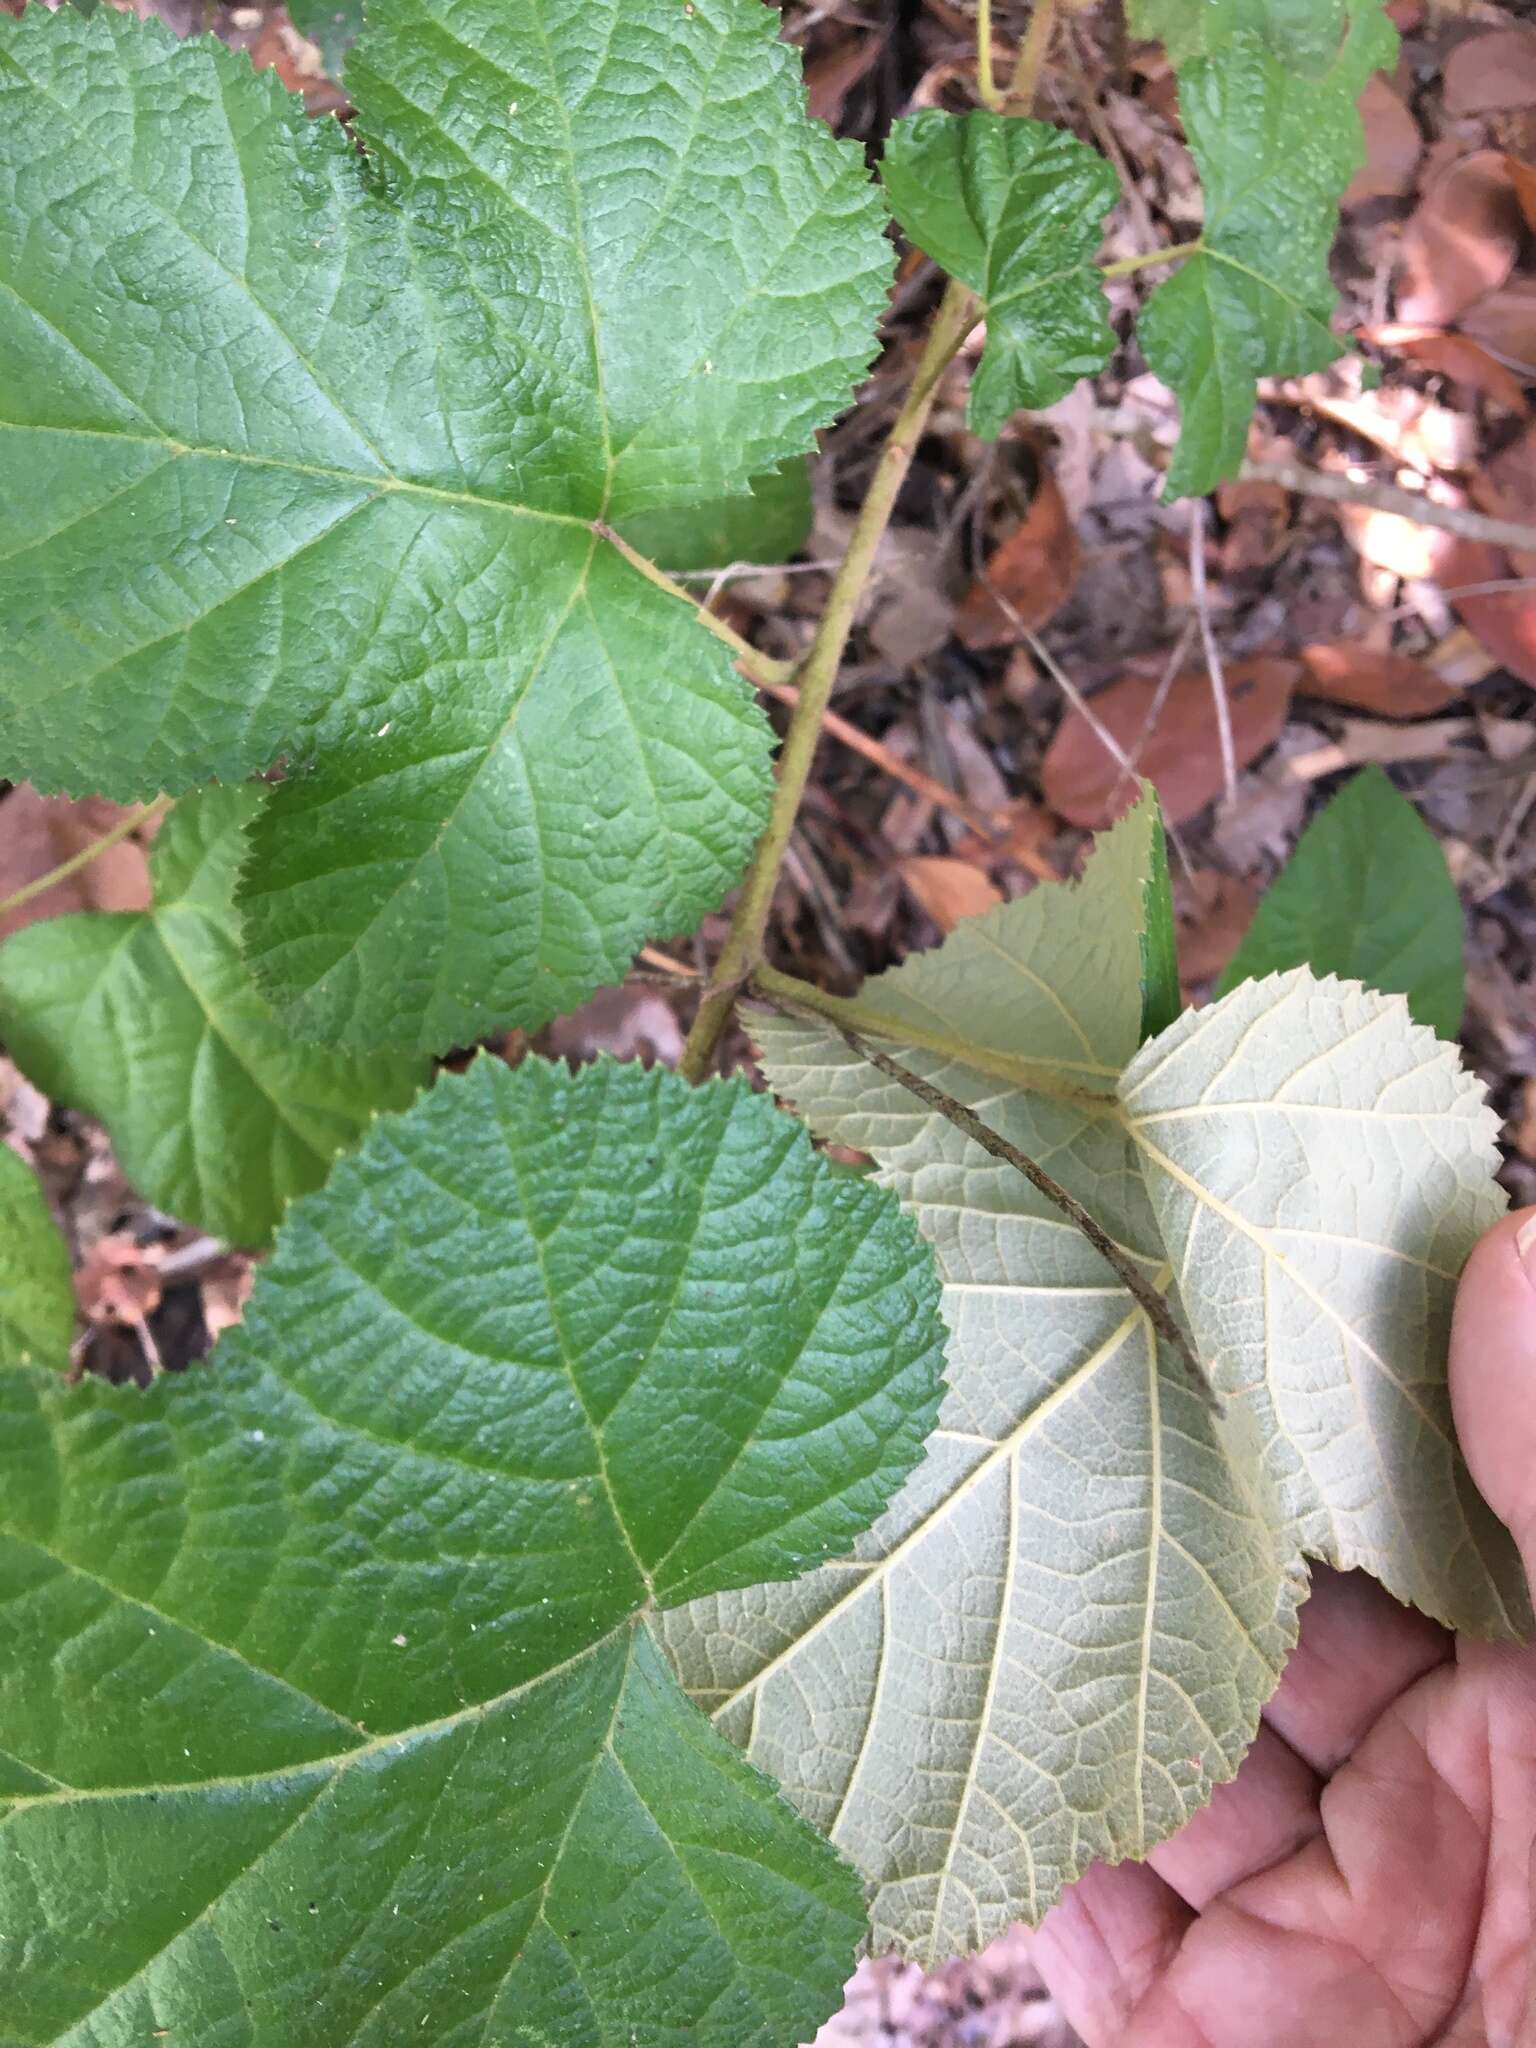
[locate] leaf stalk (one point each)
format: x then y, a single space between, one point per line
760 667
953 321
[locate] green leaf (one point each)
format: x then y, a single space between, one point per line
37 1302
1303 33
1366 895
150 1021
1162 997
321 443
323 1711
334 24
1061 1634
1275 150
767 524
1015 209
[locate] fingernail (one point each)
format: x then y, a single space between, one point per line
1525 1247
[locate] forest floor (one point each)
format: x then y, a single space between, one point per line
1034 591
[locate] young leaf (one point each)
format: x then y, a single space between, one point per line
1366 895
150 1020
367 1736
323 442
37 1302
1275 150
950 1708
1303 33
1015 209
768 524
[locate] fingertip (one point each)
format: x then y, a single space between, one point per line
1493 1374
1106 1942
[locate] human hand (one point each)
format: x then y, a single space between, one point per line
1367 1877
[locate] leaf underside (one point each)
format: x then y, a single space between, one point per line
1015 209
1366 894
37 1302
323 441
1276 149
1062 1633
151 1021
324 1711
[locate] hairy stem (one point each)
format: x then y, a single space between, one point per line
1127 265
762 668
965 1119
86 855
986 77
1037 40
953 321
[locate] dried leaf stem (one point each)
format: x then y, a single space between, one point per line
86 855
953 321
965 1119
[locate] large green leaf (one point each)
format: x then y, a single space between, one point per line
1365 895
1062 1633
324 1713
320 443
1304 33
1015 209
151 1021
1275 150
769 524
37 1302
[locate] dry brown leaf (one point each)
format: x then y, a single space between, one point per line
948 889
1504 321
1492 74
1506 487
224 1289
1523 1123
1215 911
1461 241
1463 360
1258 522
1393 146
1503 621
1029 577
37 833
1524 177
118 1281
832 75
1372 679
1084 783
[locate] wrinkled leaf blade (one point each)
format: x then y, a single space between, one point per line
1366 896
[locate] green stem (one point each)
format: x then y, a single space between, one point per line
1127 265
955 317
85 856
986 78
761 667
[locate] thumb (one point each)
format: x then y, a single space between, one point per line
1493 1375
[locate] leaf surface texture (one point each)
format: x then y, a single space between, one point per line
37 1302
152 1022
324 439
324 1709
1062 1633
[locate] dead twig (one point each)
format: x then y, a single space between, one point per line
1379 497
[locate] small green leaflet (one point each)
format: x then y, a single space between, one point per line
767 524
371 1744
37 1301
1015 209
1366 894
1275 150
1062 1632
322 443
1305 34
151 1021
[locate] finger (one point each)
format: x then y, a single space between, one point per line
1358 1652
1493 1374
1104 1945
1267 1812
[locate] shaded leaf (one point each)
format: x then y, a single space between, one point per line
1015 209
150 1021
1366 896
1303 33
597 263
1161 996
767 523
37 1303
964 1722
368 1730
1180 755
1276 150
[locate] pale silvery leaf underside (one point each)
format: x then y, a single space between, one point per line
1062 1634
